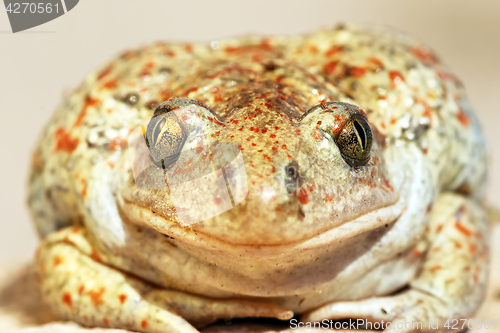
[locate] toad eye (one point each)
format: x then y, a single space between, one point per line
165 138
355 141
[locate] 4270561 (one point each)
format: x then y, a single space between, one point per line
31 7
461 324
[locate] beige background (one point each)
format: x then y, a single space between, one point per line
38 65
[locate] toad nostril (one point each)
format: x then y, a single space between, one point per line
293 179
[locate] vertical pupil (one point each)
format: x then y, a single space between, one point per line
361 134
157 130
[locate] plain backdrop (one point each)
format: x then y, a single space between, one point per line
37 66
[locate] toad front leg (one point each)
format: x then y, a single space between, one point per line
81 288
451 284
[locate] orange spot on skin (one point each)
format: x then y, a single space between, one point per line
272 136
305 194
435 268
316 135
424 55
122 298
328 198
88 103
257 57
333 50
463 229
357 71
439 228
144 323
416 252
289 156
190 90
284 147
68 241
458 245
376 62
81 289
330 67
165 95
110 84
105 321
117 144
472 249
84 189
463 118
96 296
94 255
396 78
66 299
58 260
64 142
105 72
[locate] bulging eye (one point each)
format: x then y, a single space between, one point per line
165 138
355 141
